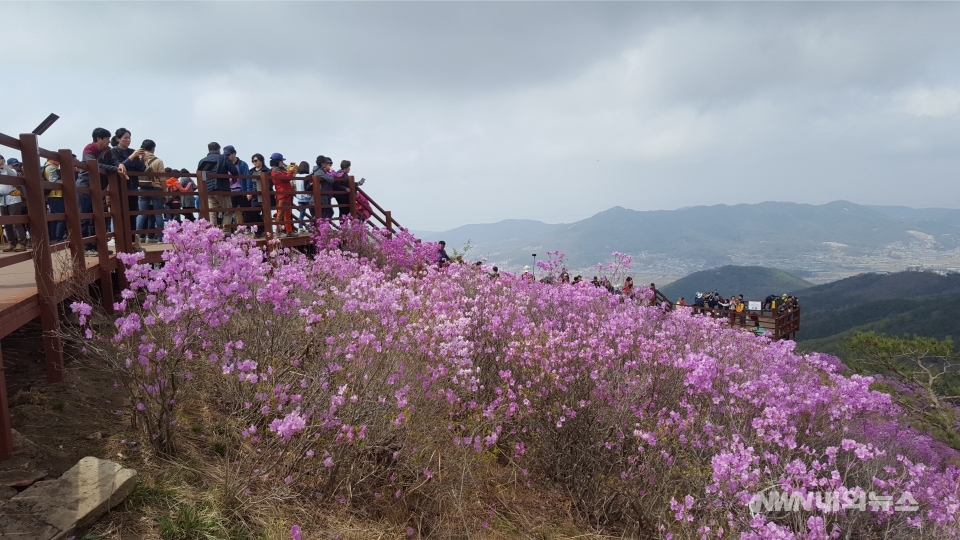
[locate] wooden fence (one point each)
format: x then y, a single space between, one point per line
109 220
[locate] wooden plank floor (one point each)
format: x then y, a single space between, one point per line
19 301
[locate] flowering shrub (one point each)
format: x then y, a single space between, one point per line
366 376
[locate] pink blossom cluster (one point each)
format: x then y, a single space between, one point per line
389 371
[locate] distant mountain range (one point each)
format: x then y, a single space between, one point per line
768 234
753 282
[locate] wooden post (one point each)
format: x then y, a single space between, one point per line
123 239
74 232
121 226
389 220
6 428
100 226
43 263
317 207
265 205
204 206
353 197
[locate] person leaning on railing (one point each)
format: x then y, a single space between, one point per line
120 148
107 162
10 203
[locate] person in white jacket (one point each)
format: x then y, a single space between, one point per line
11 202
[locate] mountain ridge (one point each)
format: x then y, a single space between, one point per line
762 234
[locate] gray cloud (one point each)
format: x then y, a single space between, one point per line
471 112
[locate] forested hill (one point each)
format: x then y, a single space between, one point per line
865 288
921 303
753 282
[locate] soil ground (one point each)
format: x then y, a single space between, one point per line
83 416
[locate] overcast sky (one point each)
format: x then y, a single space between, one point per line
462 113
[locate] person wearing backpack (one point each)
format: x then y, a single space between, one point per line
57 230
188 198
217 163
151 187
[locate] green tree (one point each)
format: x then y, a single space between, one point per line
922 374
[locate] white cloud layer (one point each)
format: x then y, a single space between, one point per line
468 112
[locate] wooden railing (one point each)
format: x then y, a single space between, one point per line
97 220
661 299
348 202
776 323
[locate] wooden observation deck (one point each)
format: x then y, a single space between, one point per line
35 282
777 324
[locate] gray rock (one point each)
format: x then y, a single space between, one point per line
54 509
6 493
23 446
20 477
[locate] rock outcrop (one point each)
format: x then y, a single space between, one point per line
54 509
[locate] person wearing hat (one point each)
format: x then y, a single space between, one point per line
57 230
17 167
217 163
11 203
284 189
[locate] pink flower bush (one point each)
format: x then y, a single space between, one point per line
409 379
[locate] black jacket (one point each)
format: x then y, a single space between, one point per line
217 163
132 165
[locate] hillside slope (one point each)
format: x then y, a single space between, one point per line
946 216
934 317
922 303
753 282
865 288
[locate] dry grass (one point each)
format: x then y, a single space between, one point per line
187 498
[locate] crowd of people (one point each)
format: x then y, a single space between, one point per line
737 309
628 289
733 307
159 195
